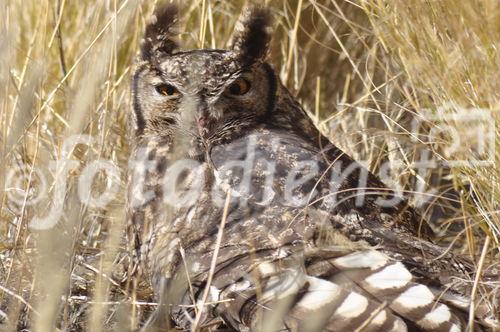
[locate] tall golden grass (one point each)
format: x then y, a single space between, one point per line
365 70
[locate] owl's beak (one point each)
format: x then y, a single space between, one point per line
203 122
204 119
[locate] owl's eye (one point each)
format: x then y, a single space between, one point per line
238 87
166 90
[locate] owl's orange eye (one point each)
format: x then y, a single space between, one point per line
166 90
238 87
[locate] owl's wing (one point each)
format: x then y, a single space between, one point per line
337 290
287 261
326 176
397 286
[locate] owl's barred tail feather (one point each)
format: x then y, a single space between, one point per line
361 291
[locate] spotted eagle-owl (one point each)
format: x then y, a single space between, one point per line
241 213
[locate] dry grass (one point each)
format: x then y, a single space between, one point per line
364 70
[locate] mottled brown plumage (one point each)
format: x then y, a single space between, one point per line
300 249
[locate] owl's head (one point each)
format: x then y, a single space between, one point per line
203 93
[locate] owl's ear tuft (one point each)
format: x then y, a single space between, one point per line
252 34
160 34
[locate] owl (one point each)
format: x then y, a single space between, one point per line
243 215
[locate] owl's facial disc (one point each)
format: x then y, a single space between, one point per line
211 89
